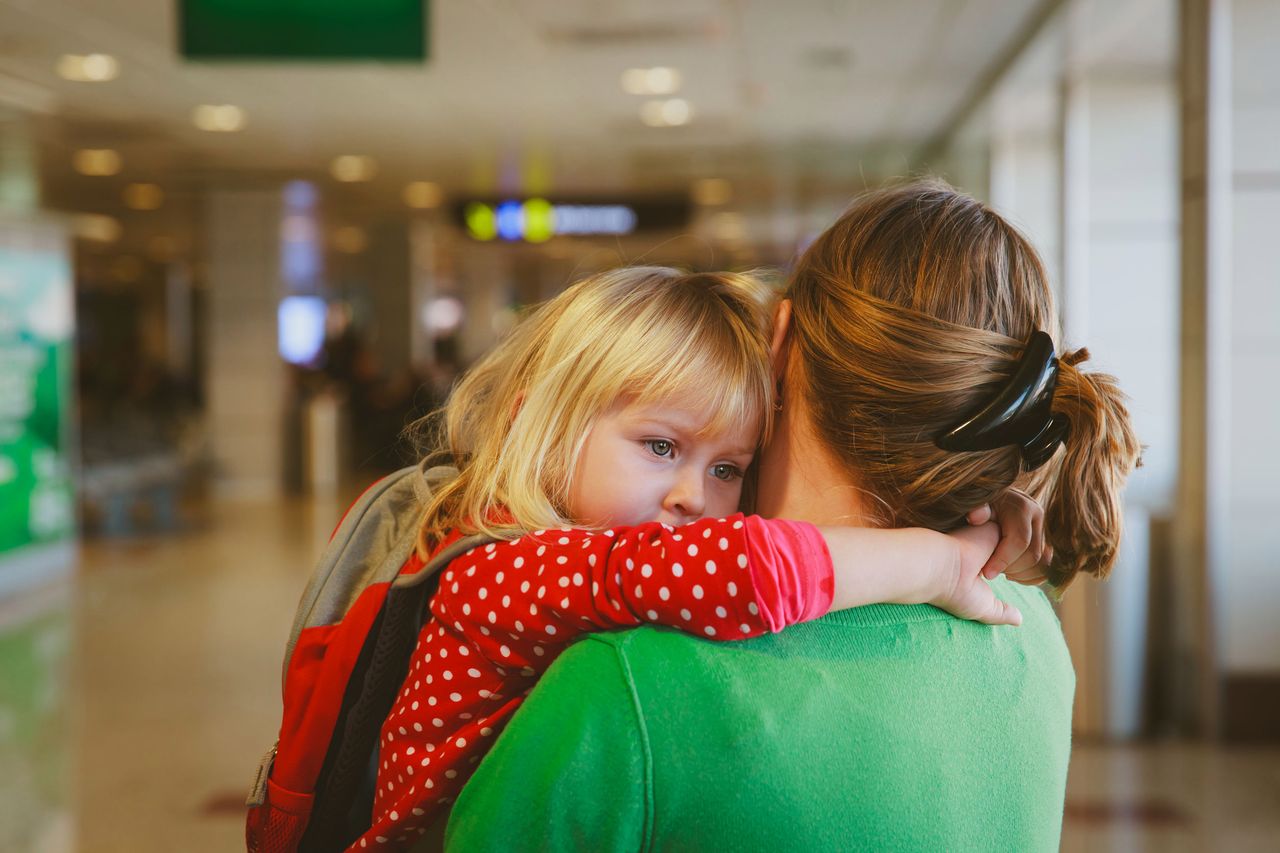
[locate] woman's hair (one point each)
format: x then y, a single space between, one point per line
516 423
909 314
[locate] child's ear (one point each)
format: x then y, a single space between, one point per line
779 345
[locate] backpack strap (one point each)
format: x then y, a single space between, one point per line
369 546
344 793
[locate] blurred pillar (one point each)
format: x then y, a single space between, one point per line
1117 240
1200 519
246 377
1243 369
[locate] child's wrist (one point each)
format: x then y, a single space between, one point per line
939 577
919 571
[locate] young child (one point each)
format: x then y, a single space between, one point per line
606 441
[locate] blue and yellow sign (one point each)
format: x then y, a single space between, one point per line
537 220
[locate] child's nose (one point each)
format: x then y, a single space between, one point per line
686 499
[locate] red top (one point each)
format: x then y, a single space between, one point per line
504 612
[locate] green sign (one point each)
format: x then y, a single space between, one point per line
384 30
37 320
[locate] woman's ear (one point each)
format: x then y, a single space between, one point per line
779 344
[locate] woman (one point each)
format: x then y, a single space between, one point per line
915 356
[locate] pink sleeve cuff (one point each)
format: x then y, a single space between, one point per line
791 570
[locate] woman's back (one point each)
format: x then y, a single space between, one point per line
884 727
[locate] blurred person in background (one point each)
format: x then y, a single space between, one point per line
884 727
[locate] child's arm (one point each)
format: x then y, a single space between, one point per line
721 578
917 566
548 587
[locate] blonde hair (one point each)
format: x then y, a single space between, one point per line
912 310
516 423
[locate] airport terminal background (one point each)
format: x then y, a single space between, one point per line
234 265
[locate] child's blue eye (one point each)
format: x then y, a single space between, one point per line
725 471
659 446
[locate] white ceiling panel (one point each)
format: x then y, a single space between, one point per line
517 91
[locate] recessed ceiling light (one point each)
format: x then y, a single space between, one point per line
350 168
219 118
93 68
672 112
143 196
662 80
96 227
423 195
96 162
659 80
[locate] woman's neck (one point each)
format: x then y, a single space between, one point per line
802 481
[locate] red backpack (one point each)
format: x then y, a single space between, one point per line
348 653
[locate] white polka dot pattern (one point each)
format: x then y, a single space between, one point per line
512 607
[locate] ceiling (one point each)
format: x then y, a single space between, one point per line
520 95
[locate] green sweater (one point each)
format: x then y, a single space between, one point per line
881 728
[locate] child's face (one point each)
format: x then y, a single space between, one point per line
647 463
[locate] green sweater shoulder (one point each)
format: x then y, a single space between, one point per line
880 728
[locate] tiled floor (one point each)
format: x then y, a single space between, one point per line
175 647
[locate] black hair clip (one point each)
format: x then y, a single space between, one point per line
1020 414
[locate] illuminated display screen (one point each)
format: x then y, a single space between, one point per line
537 220
301 328
385 30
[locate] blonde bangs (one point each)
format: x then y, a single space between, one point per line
711 370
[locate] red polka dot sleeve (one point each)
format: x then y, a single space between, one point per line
504 612
724 578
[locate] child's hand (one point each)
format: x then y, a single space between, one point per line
1023 554
965 591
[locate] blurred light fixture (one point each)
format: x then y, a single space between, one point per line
298 228
423 195
671 112
537 220
301 323
659 80
350 168
712 191
219 118
97 162
93 68
300 196
482 221
96 228
350 239
443 315
143 196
